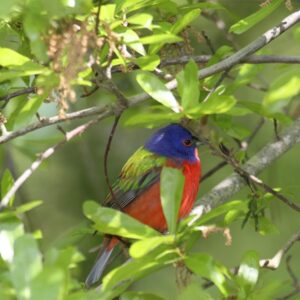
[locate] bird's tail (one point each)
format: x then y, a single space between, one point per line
101 262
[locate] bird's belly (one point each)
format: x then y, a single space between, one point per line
147 208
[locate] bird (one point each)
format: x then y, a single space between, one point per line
136 191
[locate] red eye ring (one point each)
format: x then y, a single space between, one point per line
187 143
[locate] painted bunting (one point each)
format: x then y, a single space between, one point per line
137 189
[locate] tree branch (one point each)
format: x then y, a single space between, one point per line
274 262
223 65
253 59
260 161
43 156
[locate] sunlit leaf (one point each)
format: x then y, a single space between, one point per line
158 38
137 268
216 104
26 264
188 86
7 182
9 232
205 266
249 271
142 19
178 26
157 90
148 63
286 86
222 209
114 222
247 23
143 247
28 206
171 189
129 36
185 20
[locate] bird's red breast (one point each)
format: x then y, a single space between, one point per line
147 207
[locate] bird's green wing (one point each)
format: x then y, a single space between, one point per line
140 172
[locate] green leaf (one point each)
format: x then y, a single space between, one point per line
143 247
177 27
26 264
9 38
114 222
222 209
30 108
142 19
171 189
185 20
9 232
9 57
204 265
165 38
6 184
249 271
188 85
132 40
148 63
216 104
49 284
266 226
247 23
286 86
137 268
157 90
28 206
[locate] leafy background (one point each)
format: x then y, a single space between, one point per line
55 250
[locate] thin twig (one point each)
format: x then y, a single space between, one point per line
213 170
252 178
10 96
107 148
225 190
226 63
250 138
98 17
43 156
274 262
295 281
208 42
220 80
252 59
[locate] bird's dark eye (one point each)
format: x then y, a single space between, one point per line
187 143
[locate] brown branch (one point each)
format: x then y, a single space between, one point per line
98 17
107 148
213 170
43 156
225 64
253 59
104 111
295 281
274 262
10 96
229 158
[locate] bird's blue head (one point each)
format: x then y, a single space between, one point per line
173 141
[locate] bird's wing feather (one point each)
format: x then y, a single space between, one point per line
140 172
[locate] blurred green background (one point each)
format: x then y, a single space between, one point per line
75 173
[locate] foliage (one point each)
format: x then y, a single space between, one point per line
61 51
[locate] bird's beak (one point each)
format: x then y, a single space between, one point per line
198 141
